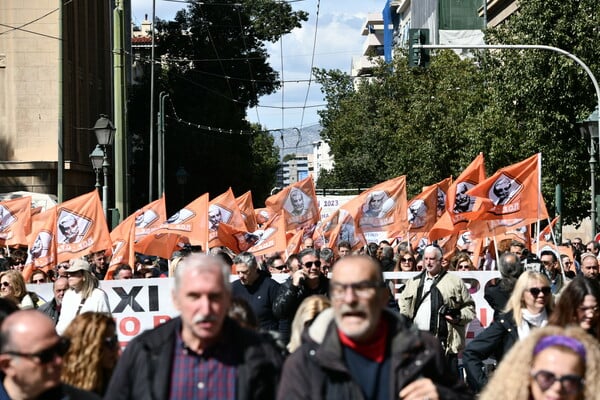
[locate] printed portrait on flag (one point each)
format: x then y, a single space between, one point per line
146 218
297 202
264 235
378 204
503 190
463 202
441 202
71 227
216 215
417 213
6 218
180 216
41 245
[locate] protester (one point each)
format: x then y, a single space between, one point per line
528 307
93 354
578 304
358 349
552 363
83 294
202 349
31 358
12 287
257 288
440 303
498 293
52 308
305 315
306 281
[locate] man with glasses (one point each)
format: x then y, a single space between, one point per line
440 303
593 247
31 359
361 350
552 271
257 289
306 281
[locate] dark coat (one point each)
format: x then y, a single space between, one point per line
260 296
289 298
317 369
495 341
497 296
144 370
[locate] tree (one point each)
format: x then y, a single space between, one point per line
214 66
430 123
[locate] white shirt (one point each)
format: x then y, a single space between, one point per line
423 313
97 302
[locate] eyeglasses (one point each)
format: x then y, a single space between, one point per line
570 384
279 267
111 342
464 266
363 289
62 266
6 284
45 356
405 260
568 262
548 262
590 249
38 281
535 292
309 264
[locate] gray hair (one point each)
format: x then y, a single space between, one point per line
246 258
307 252
327 254
203 262
437 251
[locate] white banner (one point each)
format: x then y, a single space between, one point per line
141 304
329 204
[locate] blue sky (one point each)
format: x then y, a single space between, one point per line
338 39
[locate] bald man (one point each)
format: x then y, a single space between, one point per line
358 349
31 359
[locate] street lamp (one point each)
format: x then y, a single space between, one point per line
105 133
96 157
589 127
182 176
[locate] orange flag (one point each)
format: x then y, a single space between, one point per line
272 239
546 233
150 217
123 240
246 207
459 205
422 210
162 243
15 221
299 205
263 215
513 192
42 243
236 239
294 242
223 208
346 230
381 212
81 227
189 224
442 194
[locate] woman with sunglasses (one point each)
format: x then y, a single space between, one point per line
12 287
93 354
579 304
528 308
462 262
552 363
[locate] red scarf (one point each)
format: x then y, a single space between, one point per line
373 349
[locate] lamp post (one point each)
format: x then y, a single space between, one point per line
182 176
105 133
589 127
96 157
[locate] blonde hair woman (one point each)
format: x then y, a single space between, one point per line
93 354
560 363
305 315
83 295
12 287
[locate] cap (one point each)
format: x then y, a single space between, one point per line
79 265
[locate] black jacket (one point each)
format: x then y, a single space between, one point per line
289 298
260 296
317 369
144 370
495 341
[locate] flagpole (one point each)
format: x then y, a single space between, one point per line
539 201
562 267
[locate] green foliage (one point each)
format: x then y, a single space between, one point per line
214 66
431 123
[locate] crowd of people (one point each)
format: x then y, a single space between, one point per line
334 328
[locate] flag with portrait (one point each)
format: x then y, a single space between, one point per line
223 209
15 221
246 207
150 217
298 204
41 241
123 241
